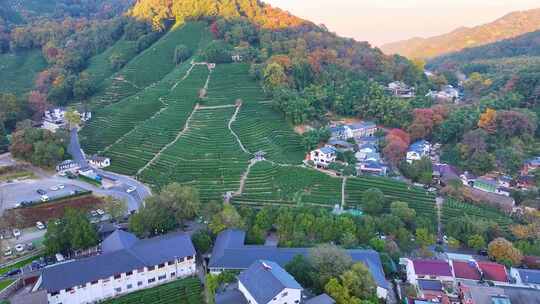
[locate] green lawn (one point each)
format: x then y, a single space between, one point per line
5 283
186 291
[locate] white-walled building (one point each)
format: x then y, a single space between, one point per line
526 277
418 150
323 157
265 282
127 264
99 162
55 118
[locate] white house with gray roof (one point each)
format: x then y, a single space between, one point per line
127 264
265 282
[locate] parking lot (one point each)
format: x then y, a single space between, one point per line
15 193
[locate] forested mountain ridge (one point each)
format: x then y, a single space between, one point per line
156 11
509 26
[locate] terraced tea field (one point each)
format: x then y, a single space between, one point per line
206 155
186 291
136 148
261 128
152 65
231 82
167 133
418 199
452 209
271 184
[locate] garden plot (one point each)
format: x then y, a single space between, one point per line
139 146
206 156
261 128
230 82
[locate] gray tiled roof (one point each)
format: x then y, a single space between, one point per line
118 240
265 280
138 254
321 299
231 253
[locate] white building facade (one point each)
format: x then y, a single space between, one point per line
323 157
124 283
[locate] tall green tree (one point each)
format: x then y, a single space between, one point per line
373 201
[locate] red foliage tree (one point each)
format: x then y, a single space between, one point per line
38 104
397 143
398 133
513 123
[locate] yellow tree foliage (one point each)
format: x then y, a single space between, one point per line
487 121
504 251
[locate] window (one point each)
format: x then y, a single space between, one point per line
189 258
129 273
162 277
118 289
161 265
152 280
129 286
94 282
69 289
140 270
150 268
117 276
173 274
55 293
170 262
181 260
284 294
139 283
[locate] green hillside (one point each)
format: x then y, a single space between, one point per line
17 71
148 67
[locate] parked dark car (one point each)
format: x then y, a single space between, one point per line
482 252
13 272
41 191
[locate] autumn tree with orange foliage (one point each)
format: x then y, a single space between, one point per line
397 143
503 251
488 121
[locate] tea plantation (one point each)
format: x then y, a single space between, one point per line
158 127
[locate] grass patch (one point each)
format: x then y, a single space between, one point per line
5 283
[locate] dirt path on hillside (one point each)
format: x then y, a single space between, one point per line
244 178
184 130
343 186
233 119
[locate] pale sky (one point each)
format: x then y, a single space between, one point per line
382 21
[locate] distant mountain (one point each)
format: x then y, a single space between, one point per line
527 45
509 26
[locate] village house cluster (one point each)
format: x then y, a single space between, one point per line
460 279
55 119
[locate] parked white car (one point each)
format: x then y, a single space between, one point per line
8 251
45 198
40 225
100 212
54 188
61 186
131 189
